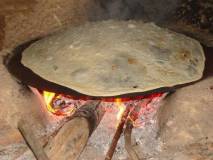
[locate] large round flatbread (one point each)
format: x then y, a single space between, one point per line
116 57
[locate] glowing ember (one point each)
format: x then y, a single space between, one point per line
64 105
61 105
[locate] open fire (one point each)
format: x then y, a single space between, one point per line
66 105
131 112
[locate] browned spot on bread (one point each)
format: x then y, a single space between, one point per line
184 54
132 60
114 67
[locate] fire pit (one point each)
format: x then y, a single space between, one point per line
83 72
130 112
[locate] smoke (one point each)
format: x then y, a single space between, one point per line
154 10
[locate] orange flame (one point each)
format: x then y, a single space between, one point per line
66 110
121 108
48 97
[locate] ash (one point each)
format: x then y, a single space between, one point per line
144 136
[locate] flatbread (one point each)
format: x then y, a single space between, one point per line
111 58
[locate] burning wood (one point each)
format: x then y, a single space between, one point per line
117 135
129 116
62 105
71 138
128 143
133 116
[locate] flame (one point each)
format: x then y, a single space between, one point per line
66 105
48 97
121 108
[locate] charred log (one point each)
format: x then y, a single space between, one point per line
117 135
70 139
128 142
33 143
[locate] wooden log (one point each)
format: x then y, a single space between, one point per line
117 135
72 137
128 142
33 143
133 115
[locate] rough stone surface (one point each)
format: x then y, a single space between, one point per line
187 121
15 102
22 20
116 57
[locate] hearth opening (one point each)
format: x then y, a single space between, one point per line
130 112
66 105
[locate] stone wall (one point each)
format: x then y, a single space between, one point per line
22 20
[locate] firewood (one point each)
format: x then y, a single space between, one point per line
33 143
72 137
133 115
128 143
117 135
